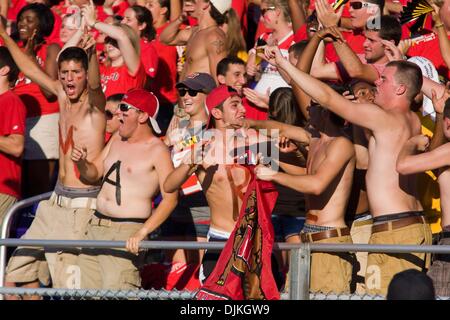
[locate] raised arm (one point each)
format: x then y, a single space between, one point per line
172 35
130 55
408 162
163 167
298 17
444 42
368 116
97 97
28 67
340 152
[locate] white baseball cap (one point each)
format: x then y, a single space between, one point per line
221 5
429 71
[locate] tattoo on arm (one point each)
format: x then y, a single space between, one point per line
219 46
115 167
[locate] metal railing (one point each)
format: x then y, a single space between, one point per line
300 255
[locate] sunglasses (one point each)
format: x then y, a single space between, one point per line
124 107
264 11
109 115
358 5
182 92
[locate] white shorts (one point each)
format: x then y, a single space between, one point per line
41 138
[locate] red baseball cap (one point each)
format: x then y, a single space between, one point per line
218 95
145 101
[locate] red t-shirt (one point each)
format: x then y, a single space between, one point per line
163 86
30 93
119 80
149 57
431 51
240 6
54 36
252 111
12 121
117 10
355 41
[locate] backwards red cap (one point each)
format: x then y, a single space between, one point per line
145 101
218 95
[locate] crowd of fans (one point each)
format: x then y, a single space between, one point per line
110 104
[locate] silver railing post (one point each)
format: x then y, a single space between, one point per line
6 225
299 270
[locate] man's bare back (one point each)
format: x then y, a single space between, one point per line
329 207
203 45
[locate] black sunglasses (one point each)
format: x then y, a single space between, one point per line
263 11
358 5
124 107
182 92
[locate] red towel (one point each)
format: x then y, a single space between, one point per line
244 269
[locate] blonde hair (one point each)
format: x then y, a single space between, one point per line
282 5
234 39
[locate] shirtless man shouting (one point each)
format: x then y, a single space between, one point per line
134 169
223 181
82 121
397 212
205 43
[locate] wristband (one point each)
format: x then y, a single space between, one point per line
439 25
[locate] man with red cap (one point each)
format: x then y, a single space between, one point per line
223 181
133 169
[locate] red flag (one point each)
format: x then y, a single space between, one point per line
244 270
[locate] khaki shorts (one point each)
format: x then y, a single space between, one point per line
382 267
360 233
331 272
6 202
41 137
52 222
110 268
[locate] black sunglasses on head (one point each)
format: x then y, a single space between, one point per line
182 92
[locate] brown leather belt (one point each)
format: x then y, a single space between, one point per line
317 236
397 224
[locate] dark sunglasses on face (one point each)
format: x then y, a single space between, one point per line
182 92
358 5
125 107
263 11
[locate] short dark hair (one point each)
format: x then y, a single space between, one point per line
143 15
447 109
408 74
7 60
411 284
298 47
216 15
46 20
223 65
390 29
74 53
115 97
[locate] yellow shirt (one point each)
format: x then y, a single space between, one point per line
428 185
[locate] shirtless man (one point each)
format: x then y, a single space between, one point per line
409 162
205 43
326 185
398 217
82 120
224 182
134 169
